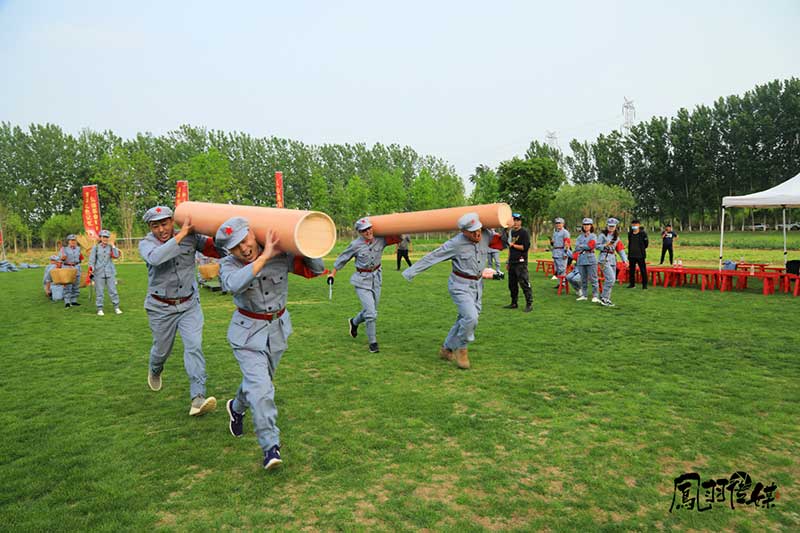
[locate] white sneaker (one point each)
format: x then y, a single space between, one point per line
595 300
554 278
580 294
580 298
100 312
118 311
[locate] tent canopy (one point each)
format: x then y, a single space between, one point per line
787 194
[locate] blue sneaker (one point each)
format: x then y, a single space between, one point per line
272 458
236 420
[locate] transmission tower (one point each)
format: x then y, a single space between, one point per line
628 114
552 139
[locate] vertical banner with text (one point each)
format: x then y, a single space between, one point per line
279 189
181 192
91 211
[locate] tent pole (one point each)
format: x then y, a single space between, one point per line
721 235
784 237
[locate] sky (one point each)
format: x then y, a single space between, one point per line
470 82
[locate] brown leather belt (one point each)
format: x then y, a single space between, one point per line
171 301
261 316
465 276
368 269
557 248
71 264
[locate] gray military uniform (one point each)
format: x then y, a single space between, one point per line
560 251
71 258
258 343
104 272
171 276
56 291
465 283
587 263
367 278
608 260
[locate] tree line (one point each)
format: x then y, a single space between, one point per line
678 168
675 168
43 168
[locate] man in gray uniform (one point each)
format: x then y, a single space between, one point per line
258 279
71 257
173 301
367 279
468 251
559 247
103 271
53 291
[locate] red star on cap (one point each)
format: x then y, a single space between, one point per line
228 230
471 222
158 209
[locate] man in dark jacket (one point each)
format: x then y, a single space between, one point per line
637 252
518 243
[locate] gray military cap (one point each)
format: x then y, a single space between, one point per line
72 237
231 232
158 212
558 220
587 220
105 233
363 223
612 222
469 222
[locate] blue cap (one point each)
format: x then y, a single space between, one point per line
55 258
587 220
105 233
231 232
72 237
363 223
516 215
158 212
470 222
612 222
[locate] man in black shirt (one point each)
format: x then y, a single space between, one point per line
518 243
637 252
667 236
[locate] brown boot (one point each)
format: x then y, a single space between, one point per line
461 358
446 354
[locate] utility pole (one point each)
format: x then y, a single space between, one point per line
629 115
551 139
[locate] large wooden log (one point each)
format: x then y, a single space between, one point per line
491 216
308 233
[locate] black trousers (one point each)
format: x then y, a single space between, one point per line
518 277
633 261
664 248
400 254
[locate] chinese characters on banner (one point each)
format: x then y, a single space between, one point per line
181 192
279 189
691 493
91 211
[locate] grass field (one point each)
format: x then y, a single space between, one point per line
573 417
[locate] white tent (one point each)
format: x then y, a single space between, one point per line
787 194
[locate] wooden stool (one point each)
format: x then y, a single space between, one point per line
563 284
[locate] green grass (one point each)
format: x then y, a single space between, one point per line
574 417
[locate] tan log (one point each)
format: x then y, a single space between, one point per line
491 216
308 233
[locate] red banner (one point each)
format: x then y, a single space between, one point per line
91 211
181 192
279 189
